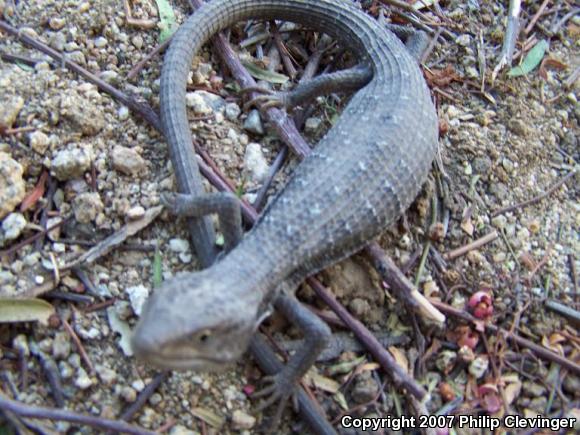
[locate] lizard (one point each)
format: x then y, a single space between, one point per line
362 175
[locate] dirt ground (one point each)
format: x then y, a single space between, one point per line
74 158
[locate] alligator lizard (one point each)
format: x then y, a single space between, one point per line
361 176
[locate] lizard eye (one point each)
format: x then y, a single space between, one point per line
204 336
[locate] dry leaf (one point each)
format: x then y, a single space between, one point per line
341 400
369 367
210 417
551 63
441 78
25 310
122 328
400 358
36 193
512 387
322 382
114 240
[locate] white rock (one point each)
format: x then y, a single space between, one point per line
255 163
123 113
12 188
463 40
13 225
68 164
39 142
135 213
83 381
137 296
478 367
128 161
253 123
312 125
232 111
197 103
101 42
179 245
241 420
87 207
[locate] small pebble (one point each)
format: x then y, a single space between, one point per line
123 113
253 123
56 23
20 343
312 125
13 225
12 187
100 42
39 142
61 345
83 381
463 40
241 420
87 207
232 111
68 164
137 296
478 366
128 394
197 103
179 245
135 213
128 161
138 385
137 41
107 375
255 164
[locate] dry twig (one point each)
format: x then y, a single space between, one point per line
539 197
30 411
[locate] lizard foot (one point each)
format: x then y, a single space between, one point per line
170 201
279 100
281 389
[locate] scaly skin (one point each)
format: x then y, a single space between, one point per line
360 177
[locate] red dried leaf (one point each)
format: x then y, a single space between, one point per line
35 194
550 63
441 77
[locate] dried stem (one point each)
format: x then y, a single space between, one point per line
470 246
538 350
539 197
30 411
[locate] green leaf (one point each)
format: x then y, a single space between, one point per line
262 74
25 310
166 19
157 269
531 61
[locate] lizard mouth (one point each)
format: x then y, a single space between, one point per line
182 362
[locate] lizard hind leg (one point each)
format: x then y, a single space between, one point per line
346 80
416 41
225 205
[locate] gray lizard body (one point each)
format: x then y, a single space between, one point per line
361 176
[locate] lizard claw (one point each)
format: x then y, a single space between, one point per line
168 200
281 388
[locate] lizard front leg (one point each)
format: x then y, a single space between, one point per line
225 205
283 385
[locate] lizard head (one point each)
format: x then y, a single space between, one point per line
198 321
